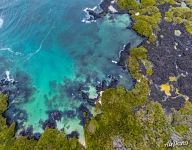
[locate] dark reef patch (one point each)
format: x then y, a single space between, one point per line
70 113
84 114
73 134
124 56
163 9
55 115
49 123
19 90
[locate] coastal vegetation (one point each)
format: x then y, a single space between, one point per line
129 115
180 16
137 56
146 16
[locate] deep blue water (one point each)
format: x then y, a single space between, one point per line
55 57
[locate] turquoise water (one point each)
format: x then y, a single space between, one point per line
51 52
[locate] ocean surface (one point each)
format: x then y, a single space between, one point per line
54 61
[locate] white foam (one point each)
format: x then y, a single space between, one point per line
113 61
6 49
86 21
8 76
87 16
1 22
10 50
112 9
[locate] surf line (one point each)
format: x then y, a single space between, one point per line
10 50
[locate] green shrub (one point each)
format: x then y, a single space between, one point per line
22 143
139 53
180 15
55 140
3 103
148 2
187 108
188 26
182 129
128 4
143 28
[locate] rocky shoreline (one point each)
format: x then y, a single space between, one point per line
107 7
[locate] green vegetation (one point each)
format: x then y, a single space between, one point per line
146 16
186 109
181 122
189 3
53 139
139 129
166 1
188 26
180 16
22 143
3 107
148 2
138 55
182 129
141 124
128 4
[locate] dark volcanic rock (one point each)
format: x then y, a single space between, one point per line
94 14
171 55
70 113
118 144
124 56
55 115
27 132
84 114
164 8
49 123
185 85
36 136
73 134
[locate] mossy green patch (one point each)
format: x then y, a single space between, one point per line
146 16
187 108
182 129
180 16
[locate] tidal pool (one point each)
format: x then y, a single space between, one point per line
57 63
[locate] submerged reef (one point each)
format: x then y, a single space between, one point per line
155 113
51 138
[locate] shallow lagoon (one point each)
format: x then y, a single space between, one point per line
56 58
